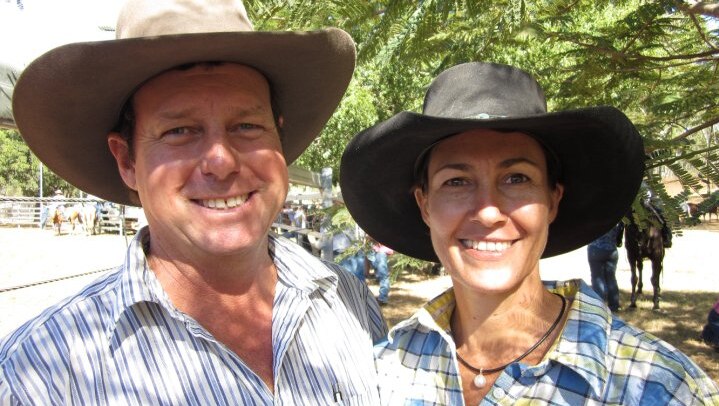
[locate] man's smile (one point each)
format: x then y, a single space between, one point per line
224 203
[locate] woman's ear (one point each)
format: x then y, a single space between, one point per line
421 199
125 164
555 197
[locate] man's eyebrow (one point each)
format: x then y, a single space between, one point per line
244 111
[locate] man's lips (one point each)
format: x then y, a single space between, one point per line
224 203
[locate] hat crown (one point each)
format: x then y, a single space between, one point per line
480 90
142 18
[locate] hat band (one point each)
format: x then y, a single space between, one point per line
486 116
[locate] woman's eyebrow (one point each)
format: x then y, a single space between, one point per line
514 161
456 166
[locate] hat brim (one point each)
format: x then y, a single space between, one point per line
68 100
600 151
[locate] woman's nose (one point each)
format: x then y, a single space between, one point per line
487 209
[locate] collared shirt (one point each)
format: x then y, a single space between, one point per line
121 341
597 360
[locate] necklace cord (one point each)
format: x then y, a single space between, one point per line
554 325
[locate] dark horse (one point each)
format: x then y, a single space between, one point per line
642 241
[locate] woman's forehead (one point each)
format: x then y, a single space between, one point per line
487 144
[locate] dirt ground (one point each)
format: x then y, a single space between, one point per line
690 282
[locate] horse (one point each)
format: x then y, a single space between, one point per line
89 218
708 206
61 213
644 241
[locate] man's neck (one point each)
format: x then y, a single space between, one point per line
233 302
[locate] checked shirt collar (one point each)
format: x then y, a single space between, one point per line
582 346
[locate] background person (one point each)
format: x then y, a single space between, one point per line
603 256
343 244
378 258
710 331
487 182
194 116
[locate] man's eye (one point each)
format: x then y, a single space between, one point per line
177 131
517 178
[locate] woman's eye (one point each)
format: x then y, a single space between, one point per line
455 182
517 178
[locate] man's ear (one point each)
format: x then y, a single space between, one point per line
125 163
422 204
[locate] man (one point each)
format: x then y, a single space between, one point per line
208 308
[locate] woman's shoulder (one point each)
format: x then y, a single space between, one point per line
661 364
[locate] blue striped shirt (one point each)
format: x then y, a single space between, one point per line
121 341
597 360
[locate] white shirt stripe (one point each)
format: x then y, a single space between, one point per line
121 341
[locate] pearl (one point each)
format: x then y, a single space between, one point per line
480 381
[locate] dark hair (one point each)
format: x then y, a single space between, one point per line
422 166
126 121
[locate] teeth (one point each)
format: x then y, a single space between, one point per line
224 203
493 246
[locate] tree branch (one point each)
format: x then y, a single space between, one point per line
701 8
693 130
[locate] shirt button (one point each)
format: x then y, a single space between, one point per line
498 393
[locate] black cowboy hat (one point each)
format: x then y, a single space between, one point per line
599 151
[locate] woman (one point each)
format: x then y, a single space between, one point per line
487 182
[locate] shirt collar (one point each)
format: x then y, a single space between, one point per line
582 346
296 268
137 283
301 270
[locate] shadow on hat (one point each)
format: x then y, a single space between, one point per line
67 101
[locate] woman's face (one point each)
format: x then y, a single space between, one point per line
488 205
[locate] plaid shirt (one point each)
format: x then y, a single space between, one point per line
597 360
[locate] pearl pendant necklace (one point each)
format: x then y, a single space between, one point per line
480 381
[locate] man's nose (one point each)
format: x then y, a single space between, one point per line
220 159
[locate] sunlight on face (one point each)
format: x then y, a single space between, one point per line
488 205
208 165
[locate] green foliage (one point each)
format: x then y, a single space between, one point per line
403 263
655 60
19 171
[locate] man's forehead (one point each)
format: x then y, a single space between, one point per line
197 70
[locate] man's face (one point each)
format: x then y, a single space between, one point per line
208 163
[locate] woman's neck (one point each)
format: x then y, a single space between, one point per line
495 328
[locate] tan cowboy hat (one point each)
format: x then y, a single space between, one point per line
69 99
598 151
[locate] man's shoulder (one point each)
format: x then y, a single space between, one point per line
54 326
